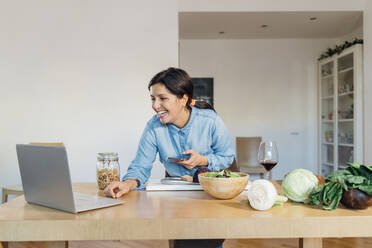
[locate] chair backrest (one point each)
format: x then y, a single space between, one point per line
246 151
234 166
47 143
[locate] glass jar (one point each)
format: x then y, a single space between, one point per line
108 169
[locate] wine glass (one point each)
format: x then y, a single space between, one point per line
268 155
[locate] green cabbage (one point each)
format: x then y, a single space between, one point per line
298 184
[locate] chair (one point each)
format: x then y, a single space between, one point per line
246 153
234 166
17 189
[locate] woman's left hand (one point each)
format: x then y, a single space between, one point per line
195 160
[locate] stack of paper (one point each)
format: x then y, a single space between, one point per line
155 184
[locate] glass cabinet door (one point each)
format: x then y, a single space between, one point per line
327 90
345 109
340 110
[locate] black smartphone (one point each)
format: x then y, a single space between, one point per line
179 158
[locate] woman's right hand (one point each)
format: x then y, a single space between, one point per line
118 189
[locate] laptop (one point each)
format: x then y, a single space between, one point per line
46 180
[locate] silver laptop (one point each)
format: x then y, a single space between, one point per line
46 180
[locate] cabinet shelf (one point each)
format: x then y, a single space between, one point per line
346 93
342 166
328 143
328 164
327 121
347 145
346 70
327 97
345 120
327 76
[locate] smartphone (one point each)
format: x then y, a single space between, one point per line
179 158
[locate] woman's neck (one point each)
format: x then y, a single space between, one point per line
184 118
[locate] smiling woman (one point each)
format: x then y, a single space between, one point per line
182 127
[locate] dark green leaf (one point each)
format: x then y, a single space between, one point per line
332 191
365 172
354 165
355 179
368 167
365 188
353 170
338 176
335 201
325 192
315 196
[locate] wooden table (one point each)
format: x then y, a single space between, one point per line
179 215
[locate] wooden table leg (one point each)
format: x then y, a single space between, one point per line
310 243
49 244
3 244
4 196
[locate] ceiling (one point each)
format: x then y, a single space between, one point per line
248 25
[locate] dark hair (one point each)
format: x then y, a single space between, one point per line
178 82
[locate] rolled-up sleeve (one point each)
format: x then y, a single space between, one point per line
140 167
223 151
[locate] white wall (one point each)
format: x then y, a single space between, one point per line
357 33
306 5
264 88
367 53
77 72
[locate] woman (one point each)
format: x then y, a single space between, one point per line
181 126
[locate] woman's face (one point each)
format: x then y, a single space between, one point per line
167 106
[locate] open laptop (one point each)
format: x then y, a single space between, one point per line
46 180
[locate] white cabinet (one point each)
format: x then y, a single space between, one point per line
340 120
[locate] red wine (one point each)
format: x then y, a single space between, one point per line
268 164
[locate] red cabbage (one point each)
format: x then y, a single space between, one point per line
195 179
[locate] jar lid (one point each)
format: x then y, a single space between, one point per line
108 156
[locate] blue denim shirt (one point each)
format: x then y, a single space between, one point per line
204 133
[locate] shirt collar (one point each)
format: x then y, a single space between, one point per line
188 124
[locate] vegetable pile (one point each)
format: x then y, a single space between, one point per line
345 185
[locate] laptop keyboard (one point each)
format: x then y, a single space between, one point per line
85 202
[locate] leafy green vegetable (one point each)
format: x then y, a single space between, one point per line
356 176
328 195
224 173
